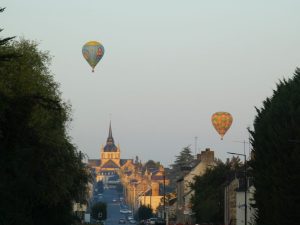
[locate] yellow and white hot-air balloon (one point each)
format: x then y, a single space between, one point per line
221 122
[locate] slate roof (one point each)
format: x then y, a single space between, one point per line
110 164
123 161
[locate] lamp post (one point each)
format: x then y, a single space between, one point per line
245 180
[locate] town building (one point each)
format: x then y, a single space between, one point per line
110 161
184 192
234 201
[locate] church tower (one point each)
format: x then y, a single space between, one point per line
110 153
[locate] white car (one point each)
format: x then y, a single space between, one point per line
132 221
125 211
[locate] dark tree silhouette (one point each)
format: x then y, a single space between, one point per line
41 171
276 148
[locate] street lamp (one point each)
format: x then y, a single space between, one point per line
245 177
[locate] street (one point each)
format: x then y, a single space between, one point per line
112 198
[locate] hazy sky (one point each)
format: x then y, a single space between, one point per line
168 66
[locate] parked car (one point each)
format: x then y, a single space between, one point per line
122 221
125 211
129 217
152 221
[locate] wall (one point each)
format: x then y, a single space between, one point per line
240 209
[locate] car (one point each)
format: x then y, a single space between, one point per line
122 221
129 218
132 221
125 211
152 221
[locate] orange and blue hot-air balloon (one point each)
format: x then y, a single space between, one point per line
221 122
93 52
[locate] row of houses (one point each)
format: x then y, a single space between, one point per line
146 185
236 190
143 185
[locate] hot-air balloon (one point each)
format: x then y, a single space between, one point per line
93 52
222 122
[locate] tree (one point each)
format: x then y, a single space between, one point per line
99 211
208 198
184 159
41 171
152 164
144 212
276 150
6 53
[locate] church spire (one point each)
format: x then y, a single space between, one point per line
110 144
110 132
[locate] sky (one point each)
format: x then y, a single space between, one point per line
168 66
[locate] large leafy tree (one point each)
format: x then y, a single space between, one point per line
208 198
144 212
41 171
183 162
276 148
184 158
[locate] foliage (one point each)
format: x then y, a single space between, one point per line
99 211
144 212
6 52
208 199
182 162
276 148
150 164
184 158
41 172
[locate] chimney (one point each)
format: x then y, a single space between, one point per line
206 156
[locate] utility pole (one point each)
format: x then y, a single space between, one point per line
196 142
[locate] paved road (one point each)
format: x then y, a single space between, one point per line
113 208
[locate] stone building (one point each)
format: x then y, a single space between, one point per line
143 187
234 201
184 193
110 161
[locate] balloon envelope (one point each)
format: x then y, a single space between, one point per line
221 122
93 52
